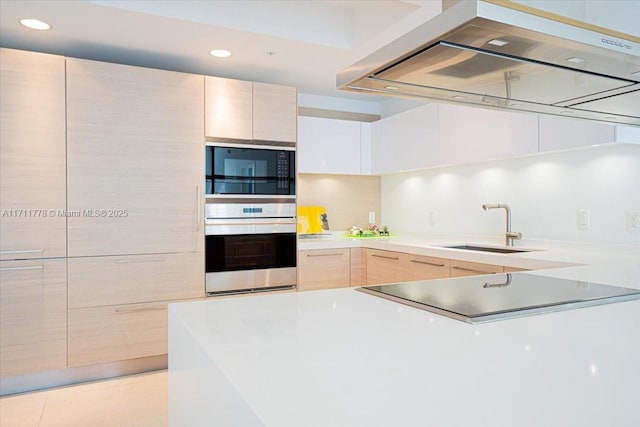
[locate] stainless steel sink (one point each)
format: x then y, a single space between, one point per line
488 249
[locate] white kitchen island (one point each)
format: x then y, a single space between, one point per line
344 358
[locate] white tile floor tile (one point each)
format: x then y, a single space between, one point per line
132 401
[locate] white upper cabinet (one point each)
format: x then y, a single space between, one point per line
415 139
408 140
628 134
559 133
382 146
468 134
241 110
333 146
32 155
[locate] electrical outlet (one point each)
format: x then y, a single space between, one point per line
583 219
372 217
633 221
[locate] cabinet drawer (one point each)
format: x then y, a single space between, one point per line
387 267
111 280
465 268
33 316
425 267
108 334
324 269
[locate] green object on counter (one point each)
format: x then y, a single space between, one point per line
368 236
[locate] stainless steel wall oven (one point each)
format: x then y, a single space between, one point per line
250 247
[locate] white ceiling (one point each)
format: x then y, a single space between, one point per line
310 39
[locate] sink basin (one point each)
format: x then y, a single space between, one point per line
488 249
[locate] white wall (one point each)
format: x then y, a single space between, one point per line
544 192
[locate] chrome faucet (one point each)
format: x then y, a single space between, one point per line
509 235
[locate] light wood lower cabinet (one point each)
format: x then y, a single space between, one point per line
358 266
33 316
387 267
108 334
426 267
112 280
466 268
324 269
514 269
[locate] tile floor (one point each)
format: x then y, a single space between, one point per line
132 401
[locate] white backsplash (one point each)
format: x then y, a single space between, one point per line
544 191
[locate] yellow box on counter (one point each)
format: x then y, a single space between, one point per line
312 220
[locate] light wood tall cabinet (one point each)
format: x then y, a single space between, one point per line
32 155
135 159
33 285
241 110
33 316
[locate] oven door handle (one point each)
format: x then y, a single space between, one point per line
277 222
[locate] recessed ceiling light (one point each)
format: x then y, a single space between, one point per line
498 42
220 53
35 24
575 60
392 87
459 97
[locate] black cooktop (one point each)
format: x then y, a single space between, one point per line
478 299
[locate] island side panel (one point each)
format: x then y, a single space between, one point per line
199 393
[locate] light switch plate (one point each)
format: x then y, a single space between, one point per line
633 222
583 219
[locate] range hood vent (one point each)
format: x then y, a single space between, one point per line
498 54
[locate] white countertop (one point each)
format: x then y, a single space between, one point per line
345 358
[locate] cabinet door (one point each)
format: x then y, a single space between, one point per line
415 139
382 146
365 148
328 146
323 269
112 333
33 316
386 267
100 281
465 268
275 113
228 108
426 268
468 134
135 159
560 133
32 155
627 134
358 266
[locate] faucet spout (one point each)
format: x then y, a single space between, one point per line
509 235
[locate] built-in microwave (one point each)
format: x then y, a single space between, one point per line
239 170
